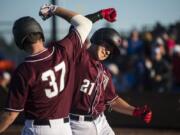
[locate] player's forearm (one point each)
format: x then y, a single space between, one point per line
120 105
94 17
6 119
82 24
3 127
65 13
68 14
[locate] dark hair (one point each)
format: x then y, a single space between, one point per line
32 38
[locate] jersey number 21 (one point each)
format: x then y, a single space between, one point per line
87 86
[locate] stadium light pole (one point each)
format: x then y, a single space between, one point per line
54 25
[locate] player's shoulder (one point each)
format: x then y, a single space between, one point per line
61 43
22 68
73 36
84 56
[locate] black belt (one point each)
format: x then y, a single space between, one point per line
47 122
85 117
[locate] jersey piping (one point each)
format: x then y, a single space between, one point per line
15 110
42 58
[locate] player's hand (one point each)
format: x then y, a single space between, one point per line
109 14
47 10
144 112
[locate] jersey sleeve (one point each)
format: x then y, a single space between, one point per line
17 93
72 44
110 92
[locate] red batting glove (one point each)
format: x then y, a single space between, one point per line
144 112
109 14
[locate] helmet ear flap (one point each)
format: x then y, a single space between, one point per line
23 27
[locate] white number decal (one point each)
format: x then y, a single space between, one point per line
49 75
61 67
85 86
52 82
91 88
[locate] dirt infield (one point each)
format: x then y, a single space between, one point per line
132 131
15 130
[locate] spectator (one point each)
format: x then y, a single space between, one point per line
170 42
161 77
147 44
116 77
4 83
134 44
176 68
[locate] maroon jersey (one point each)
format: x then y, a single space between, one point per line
42 85
93 85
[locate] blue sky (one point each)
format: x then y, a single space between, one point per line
131 13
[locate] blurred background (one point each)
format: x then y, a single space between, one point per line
146 72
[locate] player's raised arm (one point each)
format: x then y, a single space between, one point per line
122 106
82 24
108 14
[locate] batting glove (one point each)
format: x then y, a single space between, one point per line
143 112
109 14
47 10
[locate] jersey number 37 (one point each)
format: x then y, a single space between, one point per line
49 76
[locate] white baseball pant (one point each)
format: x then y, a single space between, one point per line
99 126
55 127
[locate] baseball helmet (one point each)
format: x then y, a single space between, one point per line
109 36
23 27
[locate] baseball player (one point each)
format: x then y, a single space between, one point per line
94 87
42 85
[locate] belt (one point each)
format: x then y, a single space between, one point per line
78 117
47 122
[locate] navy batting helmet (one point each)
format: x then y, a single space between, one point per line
23 27
109 36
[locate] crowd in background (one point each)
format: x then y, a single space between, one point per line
149 61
